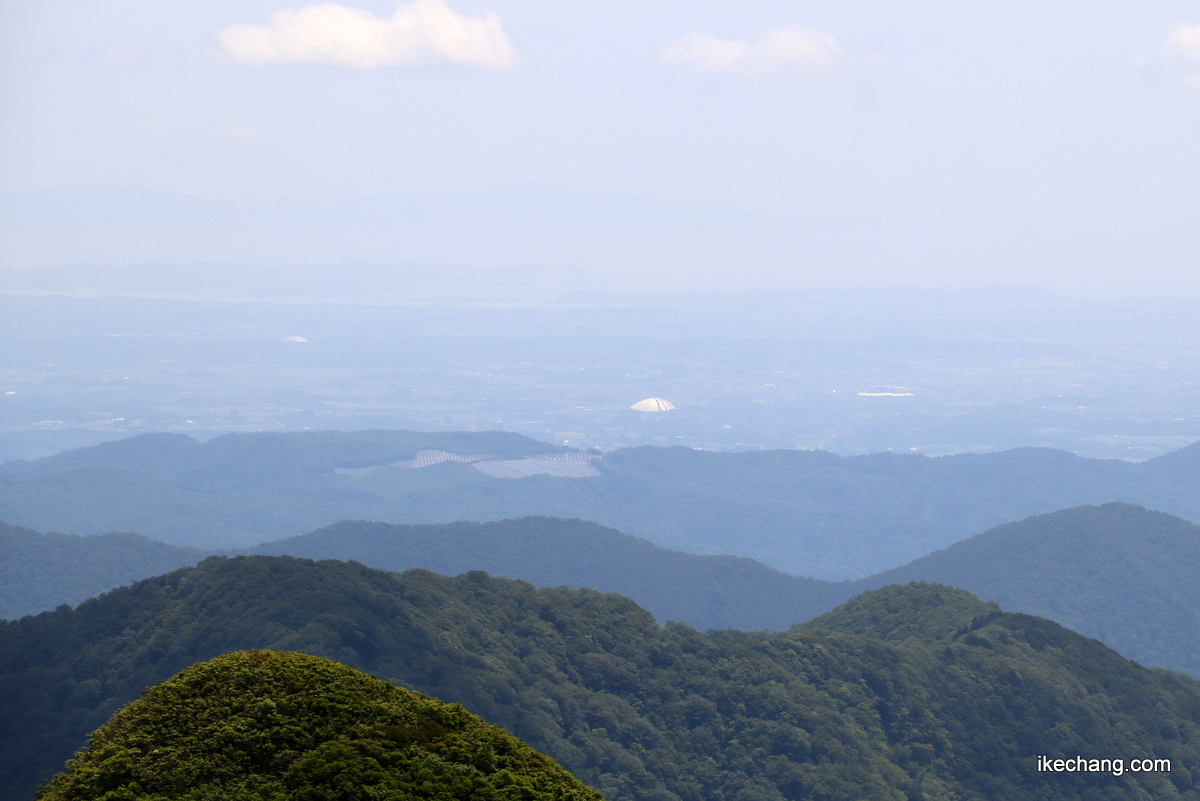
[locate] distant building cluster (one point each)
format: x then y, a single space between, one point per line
653 405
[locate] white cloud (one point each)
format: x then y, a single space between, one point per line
1183 45
424 33
236 129
783 47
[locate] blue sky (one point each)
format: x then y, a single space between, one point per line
1035 117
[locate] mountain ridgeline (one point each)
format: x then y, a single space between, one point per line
919 691
40 571
708 592
805 512
1123 574
1120 573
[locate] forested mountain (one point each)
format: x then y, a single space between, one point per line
805 512
40 571
277 724
1120 573
238 489
909 692
708 592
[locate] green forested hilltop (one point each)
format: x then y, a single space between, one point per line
805 512
955 700
278 726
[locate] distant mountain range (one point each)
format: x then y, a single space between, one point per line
920 691
41 571
709 592
805 512
1119 573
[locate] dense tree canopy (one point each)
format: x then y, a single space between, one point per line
281 726
910 692
1120 573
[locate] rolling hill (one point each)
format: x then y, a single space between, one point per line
915 691
1125 575
804 512
1120 573
708 592
1117 572
41 571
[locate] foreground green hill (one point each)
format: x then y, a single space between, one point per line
805 512
277 725
912 692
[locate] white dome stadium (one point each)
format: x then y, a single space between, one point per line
653 405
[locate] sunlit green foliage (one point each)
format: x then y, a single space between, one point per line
280 726
911 692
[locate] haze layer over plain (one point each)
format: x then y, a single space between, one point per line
851 371
634 146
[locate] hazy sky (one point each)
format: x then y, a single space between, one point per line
1084 115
